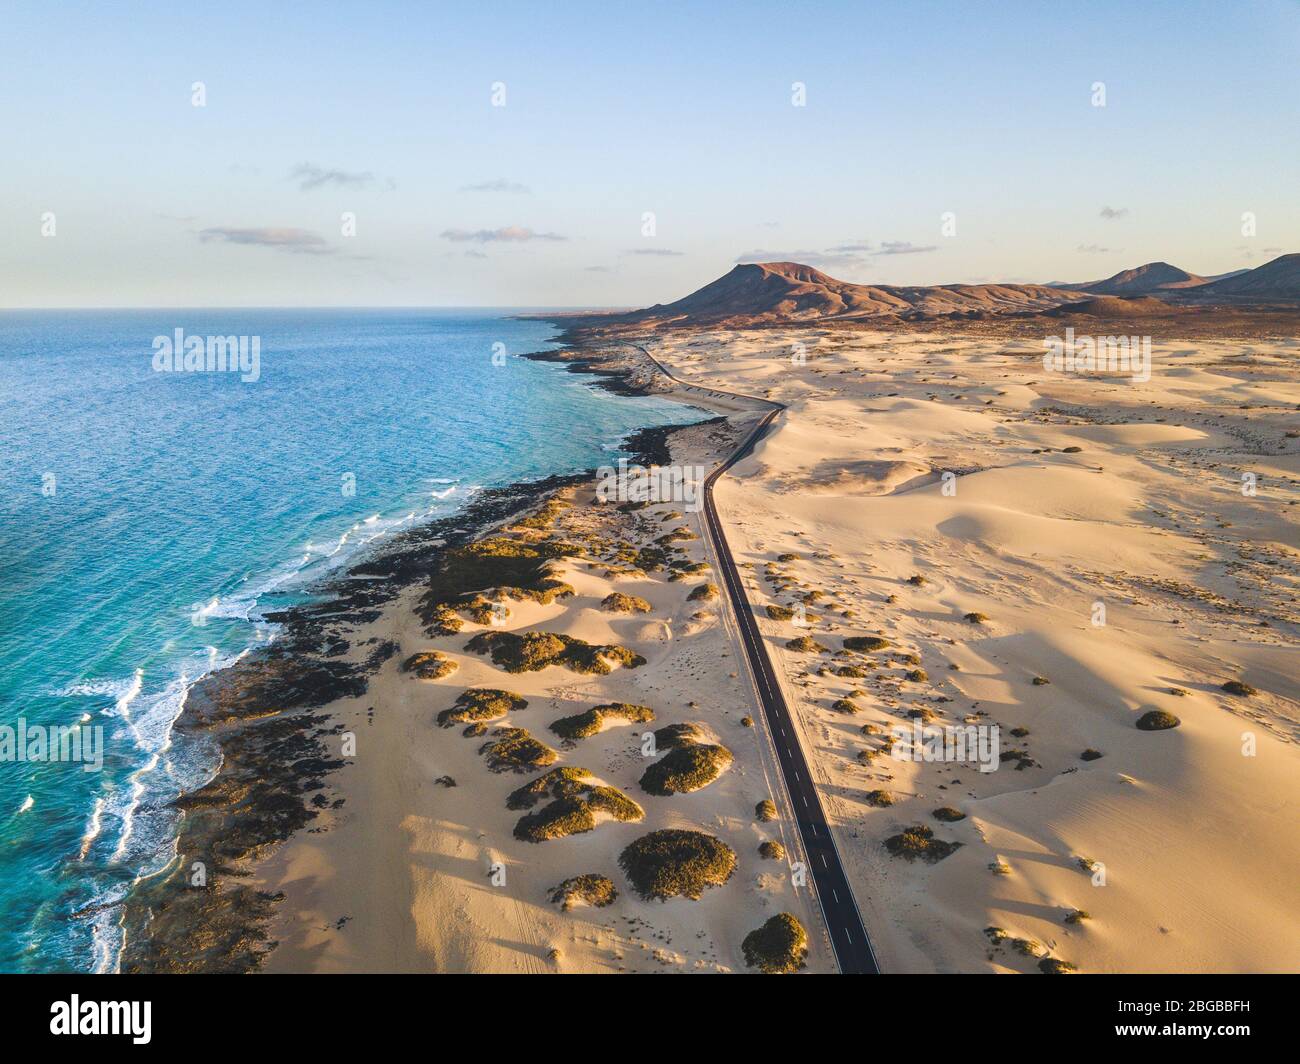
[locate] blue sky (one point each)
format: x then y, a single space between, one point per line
613 110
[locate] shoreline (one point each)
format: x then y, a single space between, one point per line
199 913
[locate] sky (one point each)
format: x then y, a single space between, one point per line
621 154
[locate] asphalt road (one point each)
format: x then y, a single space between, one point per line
848 933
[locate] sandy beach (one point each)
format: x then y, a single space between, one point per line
1042 556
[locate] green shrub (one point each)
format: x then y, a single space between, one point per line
1157 720
1077 916
805 645
765 810
516 751
478 704
582 725
674 735
880 799
621 603
975 618
948 814
1055 966
597 891
563 782
703 593
575 813
780 613
1040 681
534 651
916 580
505 566
430 665
919 841
866 642
844 705
685 768
674 861
778 947
1090 755
771 850
918 676
787 557
1239 687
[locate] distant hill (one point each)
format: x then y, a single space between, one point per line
1116 307
1143 280
1278 280
755 293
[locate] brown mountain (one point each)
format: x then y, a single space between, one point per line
760 292
1275 280
1142 280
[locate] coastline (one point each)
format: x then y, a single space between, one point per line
277 767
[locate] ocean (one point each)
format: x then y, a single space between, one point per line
150 516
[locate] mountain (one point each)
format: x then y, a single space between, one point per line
1275 280
759 292
1142 280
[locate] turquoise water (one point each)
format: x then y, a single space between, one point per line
148 518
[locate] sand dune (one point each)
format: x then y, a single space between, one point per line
1191 827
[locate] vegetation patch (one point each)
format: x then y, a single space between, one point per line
674 861
975 618
575 813
948 814
1157 720
703 593
1056 966
515 750
765 810
502 565
805 645
534 651
780 613
778 947
918 676
1090 755
686 768
844 705
478 704
583 725
430 665
1238 687
919 841
880 799
674 735
866 642
597 891
621 603
771 850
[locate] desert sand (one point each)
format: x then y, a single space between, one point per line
1100 528
1144 514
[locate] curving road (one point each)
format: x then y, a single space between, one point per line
849 939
